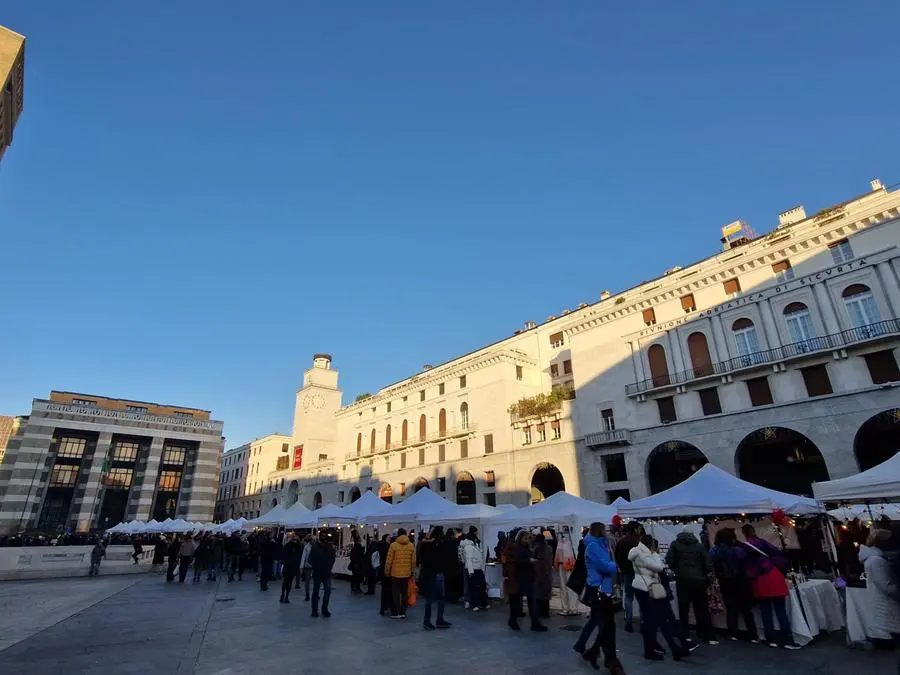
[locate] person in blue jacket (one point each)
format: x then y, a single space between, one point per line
601 571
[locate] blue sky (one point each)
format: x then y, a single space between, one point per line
201 195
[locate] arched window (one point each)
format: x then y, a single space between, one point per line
699 351
861 306
404 433
372 441
747 342
359 444
464 415
442 423
799 324
422 427
387 437
659 368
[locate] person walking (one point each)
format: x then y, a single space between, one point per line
185 557
321 559
305 567
632 537
387 603
764 565
524 564
433 551
233 548
202 556
882 588
267 552
543 575
357 556
600 573
172 551
692 566
737 593
400 565
159 554
218 557
290 561
97 554
138 550
652 597
473 561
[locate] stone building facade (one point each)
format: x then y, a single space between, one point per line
775 359
245 488
85 462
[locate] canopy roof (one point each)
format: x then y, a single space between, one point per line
369 505
878 483
423 506
472 513
272 517
561 508
330 513
866 511
712 491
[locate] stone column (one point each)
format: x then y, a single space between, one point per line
636 361
675 349
146 488
891 290
826 310
719 338
91 473
769 327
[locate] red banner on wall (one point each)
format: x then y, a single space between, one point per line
298 456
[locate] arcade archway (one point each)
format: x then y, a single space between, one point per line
317 501
355 494
672 462
465 488
878 439
780 459
419 483
386 493
547 480
293 493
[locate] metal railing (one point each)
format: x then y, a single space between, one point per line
795 349
439 435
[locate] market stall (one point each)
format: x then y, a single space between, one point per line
877 484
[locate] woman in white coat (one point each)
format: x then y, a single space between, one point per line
653 600
882 589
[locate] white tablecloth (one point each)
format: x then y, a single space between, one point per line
493 575
860 627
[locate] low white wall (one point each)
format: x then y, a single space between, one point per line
44 562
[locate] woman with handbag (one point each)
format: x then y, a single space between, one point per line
653 600
764 565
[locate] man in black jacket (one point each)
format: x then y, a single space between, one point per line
234 556
321 559
436 554
267 552
290 560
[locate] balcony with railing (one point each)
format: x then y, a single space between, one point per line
433 437
609 437
845 338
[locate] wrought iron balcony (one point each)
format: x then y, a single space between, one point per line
613 437
825 343
441 434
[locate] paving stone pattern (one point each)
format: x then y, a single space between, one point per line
217 628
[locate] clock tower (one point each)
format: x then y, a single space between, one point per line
315 427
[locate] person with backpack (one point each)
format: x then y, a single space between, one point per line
690 562
737 593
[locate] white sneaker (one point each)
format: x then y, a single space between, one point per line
467 605
712 643
792 647
773 645
475 609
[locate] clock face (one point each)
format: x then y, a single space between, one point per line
319 400
307 402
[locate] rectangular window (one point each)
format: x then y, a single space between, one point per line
709 401
284 447
84 402
388 406
882 367
125 451
442 453
732 286
614 468
402 460
441 389
760 394
488 444
554 430
609 421
402 489
490 499
687 302
526 436
519 373
817 381
783 270
119 478
554 370
463 448
666 409
442 484
841 251
136 408
557 340
649 316
421 456
169 481
405 400
71 447
462 381
567 367
283 463
542 433
489 479
340 496
63 475
174 454
422 395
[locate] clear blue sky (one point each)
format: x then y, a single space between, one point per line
202 194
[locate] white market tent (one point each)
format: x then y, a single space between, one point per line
270 518
620 501
712 491
874 485
367 506
423 507
179 525
472 513
866 511
561 508
238 525
330 513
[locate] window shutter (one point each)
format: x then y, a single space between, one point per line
760 393
649 316
817 381
882 367
781 266
687 302
732 286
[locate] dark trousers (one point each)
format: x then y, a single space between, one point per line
434 592
387 601
601 619
235 563
656 617
307 580
184 562
170 569
371 579
288 580
323 580
693 593
199 566
784 635
265 573
738 599
478 589
356 581
400 588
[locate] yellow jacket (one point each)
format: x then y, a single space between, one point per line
401 559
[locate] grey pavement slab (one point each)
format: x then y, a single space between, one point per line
218 628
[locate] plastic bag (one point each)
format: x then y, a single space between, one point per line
413 592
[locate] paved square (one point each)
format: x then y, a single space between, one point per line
128 625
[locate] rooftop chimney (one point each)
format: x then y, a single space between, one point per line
530 324
876 184
604 295
427 366
791 216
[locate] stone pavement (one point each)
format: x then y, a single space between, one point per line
127 625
